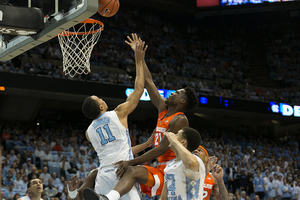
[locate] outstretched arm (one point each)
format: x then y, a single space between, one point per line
218 175
176 124
124 109
216 190
188 159
138 148
157 100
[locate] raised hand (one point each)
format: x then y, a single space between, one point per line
140 51
210 163
218 173
171 137
73 183
133 41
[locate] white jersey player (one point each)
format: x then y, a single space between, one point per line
185 175
34 189
108 131
183 183
110 139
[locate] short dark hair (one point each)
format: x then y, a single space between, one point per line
29 183
193 138
191 98
90 108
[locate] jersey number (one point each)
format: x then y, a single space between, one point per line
171 187
157 139
110 136
205 193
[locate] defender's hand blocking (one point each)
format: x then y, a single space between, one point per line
133 41
121 168
73 183
210 163
140 51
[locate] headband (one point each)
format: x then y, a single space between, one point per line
204 150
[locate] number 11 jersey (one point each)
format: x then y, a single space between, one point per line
110 139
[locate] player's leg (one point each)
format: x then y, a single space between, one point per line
132 174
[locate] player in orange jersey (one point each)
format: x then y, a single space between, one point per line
210 183
213 181
172 119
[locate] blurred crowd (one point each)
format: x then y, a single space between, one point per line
282 41
213 61
56 154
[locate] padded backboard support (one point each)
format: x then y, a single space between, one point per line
53 26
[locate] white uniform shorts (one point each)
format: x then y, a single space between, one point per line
106 179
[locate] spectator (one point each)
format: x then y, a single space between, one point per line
47 157
237 176
91 165
250 179
56 181
30 147
271 186
64 166
50 190
230 172
286 190
297 191
33 172
85 148
58 157
28 164
73 165
65 194
57 146
24 183
18 183
17 196
39 154
84 156
243 181
66 146
258 185
9 194
243 195
13 156
81 173
63 185
46 176
81 164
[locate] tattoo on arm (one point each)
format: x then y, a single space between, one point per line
223 194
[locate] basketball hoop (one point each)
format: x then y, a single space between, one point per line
77 44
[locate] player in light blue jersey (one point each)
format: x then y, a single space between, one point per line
184 175
109 133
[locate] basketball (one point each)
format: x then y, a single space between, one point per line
108 8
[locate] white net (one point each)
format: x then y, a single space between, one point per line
77 44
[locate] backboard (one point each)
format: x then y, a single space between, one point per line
57 16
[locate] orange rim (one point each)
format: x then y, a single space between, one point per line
87 21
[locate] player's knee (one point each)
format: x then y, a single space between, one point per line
139 174
130 170
133 171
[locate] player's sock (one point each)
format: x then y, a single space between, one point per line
113 195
